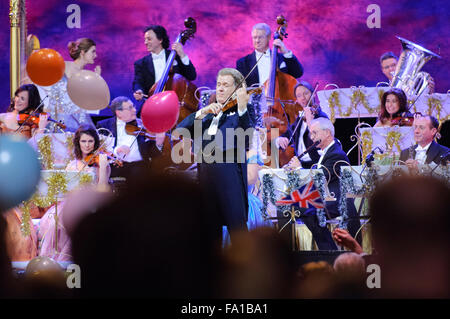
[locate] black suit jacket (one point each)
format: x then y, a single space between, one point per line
144 72
148 149
434 153
333 155
225 183
245 64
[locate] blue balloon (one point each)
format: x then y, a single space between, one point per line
20 171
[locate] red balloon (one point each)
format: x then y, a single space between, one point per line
160 112
45 67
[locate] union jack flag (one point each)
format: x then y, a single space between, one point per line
306 196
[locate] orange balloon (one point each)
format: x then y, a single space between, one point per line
45 67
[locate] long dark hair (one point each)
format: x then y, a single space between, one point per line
88 130
34 99
402 101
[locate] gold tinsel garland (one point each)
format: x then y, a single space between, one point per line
57 185
366 141
70 147
359 97
25 225
334 101
435 104
392 139
45 150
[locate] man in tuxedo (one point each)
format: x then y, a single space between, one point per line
149 69
426 150
322 132
287 62
135 152
222 168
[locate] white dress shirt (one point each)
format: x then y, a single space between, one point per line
325 150
301 144
421 153
129 140
159 63
264 64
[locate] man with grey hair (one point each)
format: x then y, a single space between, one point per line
331 159
287 62
135 152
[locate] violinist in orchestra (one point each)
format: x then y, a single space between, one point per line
149 69
24 114
136 151
388 64
222 167
393 109
297 134
426 151
287 62
87 159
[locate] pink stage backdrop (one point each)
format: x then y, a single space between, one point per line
331 38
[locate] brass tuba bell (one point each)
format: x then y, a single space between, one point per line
407 75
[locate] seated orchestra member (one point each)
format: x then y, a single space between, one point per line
136 152
388 63
322 131
287 62
393 105
149 69
301 140
426 150
223 179
26 101
86 142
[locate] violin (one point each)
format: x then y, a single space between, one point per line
402 121
94 158
33 120
233 101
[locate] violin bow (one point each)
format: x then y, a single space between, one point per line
307 105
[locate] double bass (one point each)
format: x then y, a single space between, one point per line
184 89
279 90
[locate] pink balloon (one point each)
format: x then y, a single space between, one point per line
160 112
88 90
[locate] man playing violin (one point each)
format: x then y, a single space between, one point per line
135 151
297 134
223 178
287 62
149 69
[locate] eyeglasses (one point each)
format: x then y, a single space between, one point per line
128 108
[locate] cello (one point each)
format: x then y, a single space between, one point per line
280 97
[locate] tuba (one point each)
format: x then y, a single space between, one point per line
407 75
